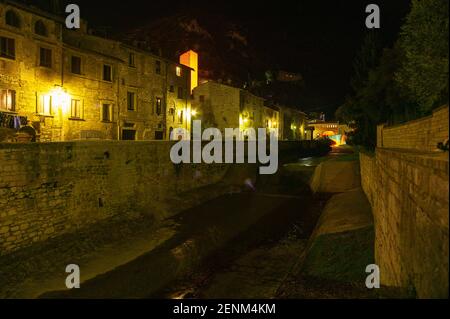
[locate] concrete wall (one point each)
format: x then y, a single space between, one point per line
408 192
48 189
422 134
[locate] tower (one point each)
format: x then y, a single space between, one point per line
190 59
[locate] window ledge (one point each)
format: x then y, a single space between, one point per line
76 119
45 115
8 111
107 122
2 57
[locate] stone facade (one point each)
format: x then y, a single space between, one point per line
407 184
223 106
293 124
72 85
408 191
423 134
48 189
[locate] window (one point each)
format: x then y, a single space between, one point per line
158 106
158 67
76 109
131 60
76 65
180 92
201 98
129 135
45 57
107 73
171 89
7 48
12 19
180 116
44 105
8 100
178 71
159 135
106 112
40 28
131 101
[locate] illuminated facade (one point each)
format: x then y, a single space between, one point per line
333 130
293 124
72 85
223 106
190 59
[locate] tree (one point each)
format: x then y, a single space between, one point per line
366 58
424 41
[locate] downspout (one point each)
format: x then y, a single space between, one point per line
165 101
118 105
188 94
62 79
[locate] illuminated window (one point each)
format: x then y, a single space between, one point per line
178 70
106 112
8 100
107 73
44 105
158 106
131 101
76 109
76 65
7 48
12 19
45 57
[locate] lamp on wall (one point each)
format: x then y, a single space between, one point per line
60 98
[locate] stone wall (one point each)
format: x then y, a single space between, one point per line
408 192
48 189
422 134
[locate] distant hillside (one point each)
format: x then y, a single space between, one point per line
225 52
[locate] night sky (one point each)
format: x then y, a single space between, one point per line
319 39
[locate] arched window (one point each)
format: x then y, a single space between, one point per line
12 19
40 28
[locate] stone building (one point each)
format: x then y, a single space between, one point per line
223 106
294 124
71 85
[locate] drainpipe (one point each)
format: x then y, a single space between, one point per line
165 101
188 94
62 78
118 104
